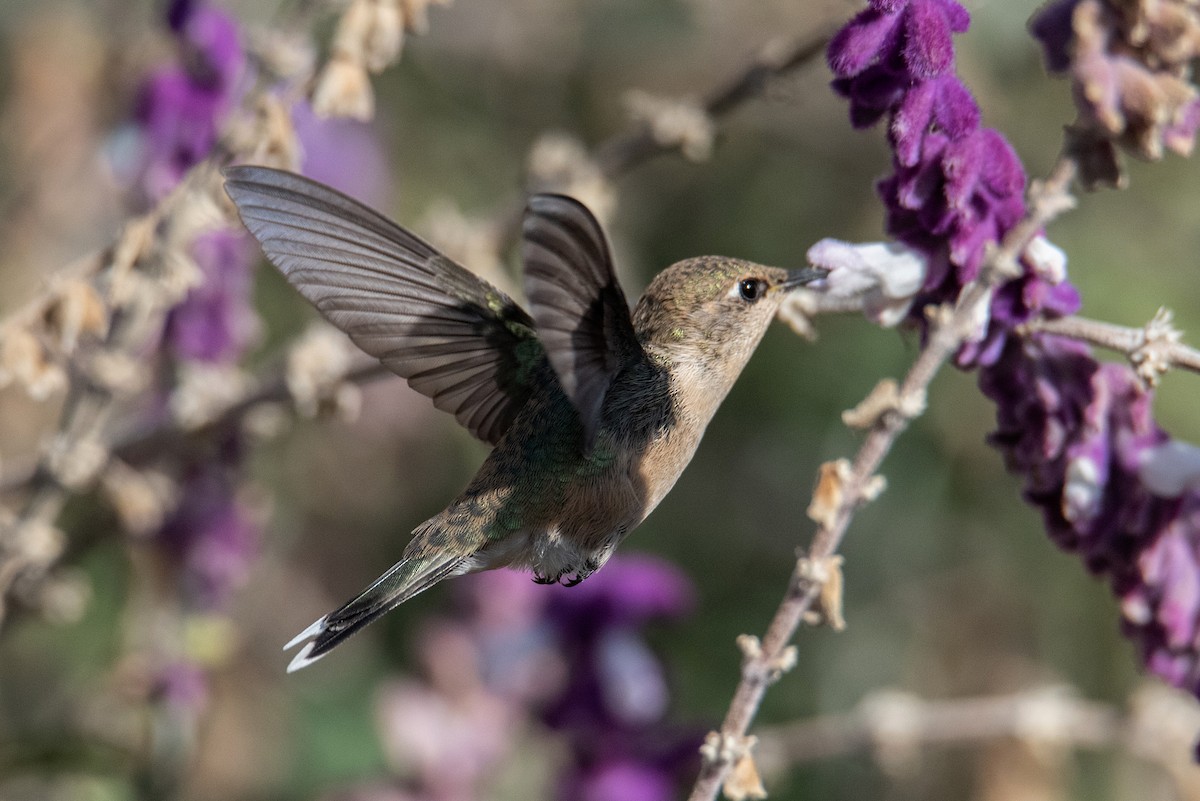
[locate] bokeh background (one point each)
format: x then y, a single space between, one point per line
952 588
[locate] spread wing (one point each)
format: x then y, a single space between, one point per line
453 336
581 313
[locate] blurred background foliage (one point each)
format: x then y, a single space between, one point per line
952 588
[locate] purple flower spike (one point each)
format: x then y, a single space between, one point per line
869 39
929 50
1081 434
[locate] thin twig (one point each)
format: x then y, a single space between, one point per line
947 333
894 720
624 151
1157 726
1132 342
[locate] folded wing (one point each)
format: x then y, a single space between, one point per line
581 313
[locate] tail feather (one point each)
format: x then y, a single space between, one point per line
401 582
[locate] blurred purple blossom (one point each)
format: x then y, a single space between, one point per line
213 535
216 321
1130 69
181 107
576 654
622 780
1082 433
182 686
616 695
343 153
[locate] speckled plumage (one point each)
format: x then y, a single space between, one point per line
594 412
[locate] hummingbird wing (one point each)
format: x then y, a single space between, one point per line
455 338
581 313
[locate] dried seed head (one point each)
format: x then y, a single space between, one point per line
266 137
316 371
25 361
416 13
62 597
674 123
559 163
743 780
343 90
75 463
141 499
206 391
77 312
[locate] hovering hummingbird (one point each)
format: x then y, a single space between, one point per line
593 411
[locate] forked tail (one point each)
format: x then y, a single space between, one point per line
402 581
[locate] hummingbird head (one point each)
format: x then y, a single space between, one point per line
713 310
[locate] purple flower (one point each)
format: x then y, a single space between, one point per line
343 153
623 780
180 108
1130 73
182 686
602 685
212 534
216 321
956 188
629 591
1082 433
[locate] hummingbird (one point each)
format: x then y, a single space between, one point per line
593 411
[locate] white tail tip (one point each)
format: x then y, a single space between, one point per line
303 659
307 634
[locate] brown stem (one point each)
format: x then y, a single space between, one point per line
1128 341
624 151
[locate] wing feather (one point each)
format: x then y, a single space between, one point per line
454 337
582 316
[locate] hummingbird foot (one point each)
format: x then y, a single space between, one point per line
538 578
589 567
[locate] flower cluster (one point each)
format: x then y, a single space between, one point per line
957 187
576 657
1105 478
1080 433
181 107
1130 69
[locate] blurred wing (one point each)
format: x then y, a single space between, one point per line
456 338
581 313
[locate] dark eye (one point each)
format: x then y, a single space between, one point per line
751 289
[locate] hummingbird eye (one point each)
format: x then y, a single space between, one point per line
751 289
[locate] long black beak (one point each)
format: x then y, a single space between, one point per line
805 275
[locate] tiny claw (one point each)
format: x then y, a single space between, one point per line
538 578
571 582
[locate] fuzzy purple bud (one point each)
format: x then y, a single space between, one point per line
216 321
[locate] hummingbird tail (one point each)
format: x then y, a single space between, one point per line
402 581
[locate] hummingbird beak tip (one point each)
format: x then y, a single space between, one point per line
803 277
